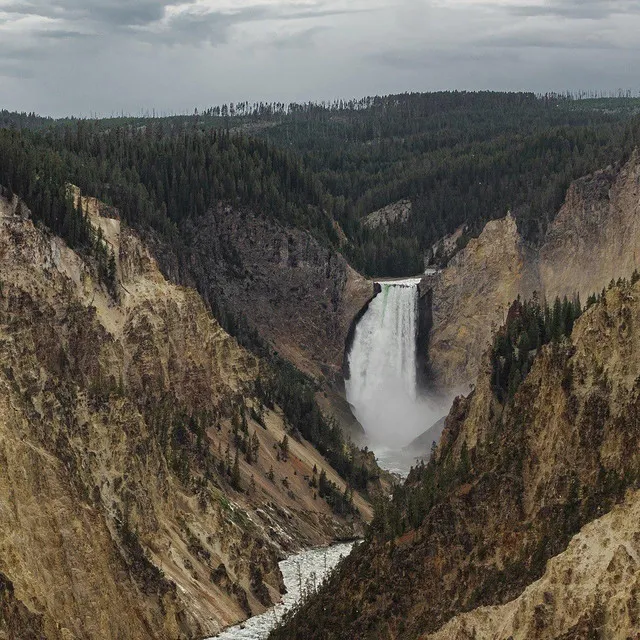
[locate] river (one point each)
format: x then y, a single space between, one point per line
305 569
384 393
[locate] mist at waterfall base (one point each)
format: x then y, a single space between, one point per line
382 387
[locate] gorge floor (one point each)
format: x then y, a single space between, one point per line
302 573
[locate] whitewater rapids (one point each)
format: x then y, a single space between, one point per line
307 569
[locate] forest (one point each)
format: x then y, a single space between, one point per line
459 157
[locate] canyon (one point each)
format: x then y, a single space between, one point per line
123 511
154 469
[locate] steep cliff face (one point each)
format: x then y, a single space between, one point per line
594 238
508 489
470 298
596 235
121 511
278 289
300 296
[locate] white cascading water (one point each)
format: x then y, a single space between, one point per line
382 386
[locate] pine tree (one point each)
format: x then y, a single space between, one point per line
284 447
323 484
235 428
243 421
227 460
255 447
112 272
235 473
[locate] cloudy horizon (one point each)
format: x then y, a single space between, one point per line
87 57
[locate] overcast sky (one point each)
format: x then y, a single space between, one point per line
84 57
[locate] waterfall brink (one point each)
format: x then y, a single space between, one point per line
382 387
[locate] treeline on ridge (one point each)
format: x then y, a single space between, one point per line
460 157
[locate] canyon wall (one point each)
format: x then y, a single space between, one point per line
279 290
591 589
122 512
297 294
596 235
594 238
470 298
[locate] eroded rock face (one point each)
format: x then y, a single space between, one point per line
596 235
594 238
16 621
300 296
396 213
470 298
594 584
114 420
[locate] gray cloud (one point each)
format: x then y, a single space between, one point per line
17 52
315 12
16 61
116 13
577 9
194 27
63 34
148 19
15 69
213 27
545 39
104 56
298 40
428 58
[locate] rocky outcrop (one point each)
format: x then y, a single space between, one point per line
442 251
594 238
470 298
591 588
118 506
16 621
509 487
396 213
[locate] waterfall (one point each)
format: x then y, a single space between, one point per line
382 386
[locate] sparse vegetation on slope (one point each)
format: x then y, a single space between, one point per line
136 452
163 182
511 482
